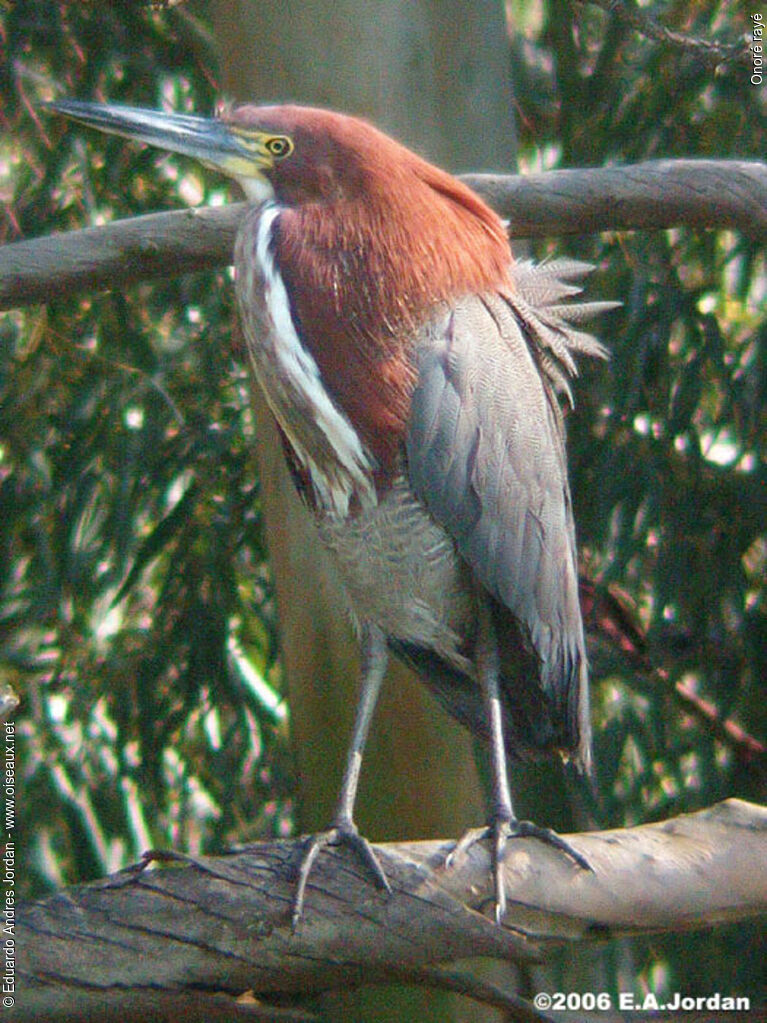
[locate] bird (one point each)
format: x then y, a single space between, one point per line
417 374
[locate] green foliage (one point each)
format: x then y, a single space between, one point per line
136 616
667 443
136 613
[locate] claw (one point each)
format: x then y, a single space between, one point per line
465 842
502 831
346 834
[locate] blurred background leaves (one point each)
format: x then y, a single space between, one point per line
137 617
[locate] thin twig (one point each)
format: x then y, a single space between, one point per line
710 51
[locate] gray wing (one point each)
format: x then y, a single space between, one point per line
486 454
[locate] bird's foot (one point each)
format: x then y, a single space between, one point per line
502 830
342 833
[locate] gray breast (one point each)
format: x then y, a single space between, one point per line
401 571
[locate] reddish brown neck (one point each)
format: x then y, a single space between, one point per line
364 274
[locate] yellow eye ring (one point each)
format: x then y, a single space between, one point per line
279 146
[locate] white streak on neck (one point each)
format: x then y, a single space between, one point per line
352 473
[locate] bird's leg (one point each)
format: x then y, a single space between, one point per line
343 830
503 823
502 814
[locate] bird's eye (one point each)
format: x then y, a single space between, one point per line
279 146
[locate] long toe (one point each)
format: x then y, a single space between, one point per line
501 831
527 829
345 833
498 832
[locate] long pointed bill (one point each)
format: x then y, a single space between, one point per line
205 139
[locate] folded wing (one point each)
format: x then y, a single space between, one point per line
486 455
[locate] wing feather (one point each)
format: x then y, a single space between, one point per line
486 454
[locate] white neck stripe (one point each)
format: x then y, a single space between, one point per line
301 374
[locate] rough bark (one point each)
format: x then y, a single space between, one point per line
192 937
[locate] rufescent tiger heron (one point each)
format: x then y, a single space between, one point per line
415 373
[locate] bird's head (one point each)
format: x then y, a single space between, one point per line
306 155
296 154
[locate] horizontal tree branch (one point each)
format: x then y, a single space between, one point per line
201 932
642 196
654 194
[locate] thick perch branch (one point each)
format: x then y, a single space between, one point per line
654 194
222 924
